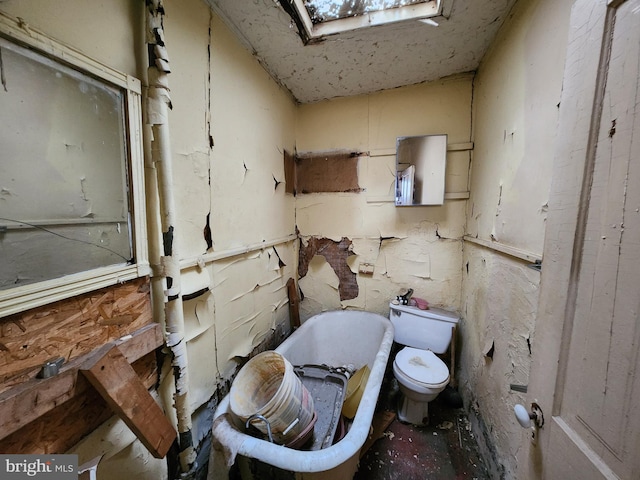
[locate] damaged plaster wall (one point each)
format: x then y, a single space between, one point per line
516 95
391 249
230 125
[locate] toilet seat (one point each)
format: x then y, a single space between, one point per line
422 367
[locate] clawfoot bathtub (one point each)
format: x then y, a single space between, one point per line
332 338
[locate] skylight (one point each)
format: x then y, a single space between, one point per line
319 18
326 10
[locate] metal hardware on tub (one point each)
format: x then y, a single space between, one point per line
257 416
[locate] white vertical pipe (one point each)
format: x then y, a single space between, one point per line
158 105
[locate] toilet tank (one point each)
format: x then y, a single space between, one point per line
425 329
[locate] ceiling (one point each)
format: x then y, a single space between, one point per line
366 60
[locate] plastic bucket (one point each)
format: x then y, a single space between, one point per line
268 386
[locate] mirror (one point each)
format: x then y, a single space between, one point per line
420 170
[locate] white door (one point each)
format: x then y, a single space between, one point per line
586 371
406 185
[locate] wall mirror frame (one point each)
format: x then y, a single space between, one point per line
420 170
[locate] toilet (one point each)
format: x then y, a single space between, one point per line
420 373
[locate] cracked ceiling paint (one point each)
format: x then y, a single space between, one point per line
366 60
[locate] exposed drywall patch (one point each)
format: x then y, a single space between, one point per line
336 254
327 172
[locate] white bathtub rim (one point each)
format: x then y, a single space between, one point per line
318 460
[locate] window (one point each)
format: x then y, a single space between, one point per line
326 10
71 195
319 18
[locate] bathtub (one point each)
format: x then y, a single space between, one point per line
331 338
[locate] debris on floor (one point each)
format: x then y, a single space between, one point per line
381 420
444 450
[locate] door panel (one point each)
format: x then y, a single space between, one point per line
595 424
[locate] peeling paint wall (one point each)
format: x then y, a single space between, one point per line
515 112
417 247
230 126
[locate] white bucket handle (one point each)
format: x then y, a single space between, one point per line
293 424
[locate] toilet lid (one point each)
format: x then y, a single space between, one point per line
423 366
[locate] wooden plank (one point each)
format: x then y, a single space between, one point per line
32 399
68 423
117 382
294 312
381 420
506 249
460 147
456 195
452 147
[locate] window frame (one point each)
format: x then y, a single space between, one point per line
29 296
311 33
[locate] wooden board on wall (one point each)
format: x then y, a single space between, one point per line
64 426
70 328
327 172
118 383
52 415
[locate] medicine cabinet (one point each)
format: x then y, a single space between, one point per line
420 170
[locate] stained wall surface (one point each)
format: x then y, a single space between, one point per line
229 128
407 247
230 125
516 94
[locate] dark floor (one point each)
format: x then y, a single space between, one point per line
444 450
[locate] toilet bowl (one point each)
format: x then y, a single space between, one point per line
421 376
420 373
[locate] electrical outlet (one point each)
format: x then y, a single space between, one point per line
365 268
